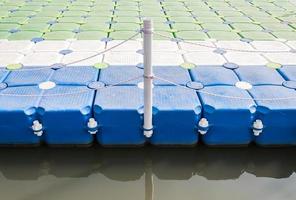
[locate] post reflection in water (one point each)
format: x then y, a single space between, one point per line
147 173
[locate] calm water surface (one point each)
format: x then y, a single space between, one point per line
149 173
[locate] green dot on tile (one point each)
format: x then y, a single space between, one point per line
108 30
173 30
101 65
188 65
15 66
273 65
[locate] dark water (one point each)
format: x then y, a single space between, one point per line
149 173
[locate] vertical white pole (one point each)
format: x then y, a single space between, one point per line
148 77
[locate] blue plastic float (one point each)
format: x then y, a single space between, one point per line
221 105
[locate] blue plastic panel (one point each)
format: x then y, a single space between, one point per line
28 76
117 109
75 75
278 116
175 74
17 112
214 75
65 111
177 112
258 75
230 112
116 74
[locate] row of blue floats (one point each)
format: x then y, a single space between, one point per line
218 105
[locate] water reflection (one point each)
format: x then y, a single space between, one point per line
131 164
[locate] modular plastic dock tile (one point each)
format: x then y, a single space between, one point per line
27 77
216 27
167 58
174 107
230 119
78 75
125 26
94 26
7 58
50 46
214 76
39 20
165 35
270 46
15 46
120 120
8 27
91 35
14 20
191 35
77 56
245 58
64 27
175 74
123 58
128 20
132 45
186 27
123 35
76 20
209 19
183 19
246 27
87 45
35 27
161 26
277 26
205 58
285 34
256 35
197 45
284 58
56 118
21 110
276 115
234 45
66 121
59 35
116 74
223 35
41 59
259 75
24 35
165 46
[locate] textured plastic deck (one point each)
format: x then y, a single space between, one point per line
188 19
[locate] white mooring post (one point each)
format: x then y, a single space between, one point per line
148 77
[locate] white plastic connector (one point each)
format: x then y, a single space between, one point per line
92 126
203 126
37 128
257 127
148 133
